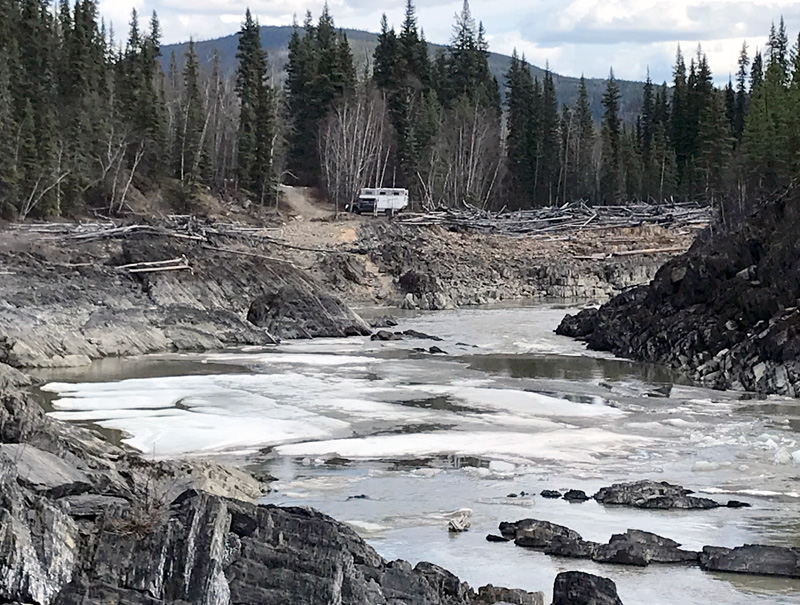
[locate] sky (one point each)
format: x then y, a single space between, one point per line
574 36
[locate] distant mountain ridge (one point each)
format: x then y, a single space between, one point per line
275 39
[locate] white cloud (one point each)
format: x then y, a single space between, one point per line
575 36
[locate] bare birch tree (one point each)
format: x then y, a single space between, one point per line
354 144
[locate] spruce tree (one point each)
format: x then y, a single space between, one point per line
741 94
611 138
256 122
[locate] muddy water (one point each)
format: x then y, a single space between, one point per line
390 438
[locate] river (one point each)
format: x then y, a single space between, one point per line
389 438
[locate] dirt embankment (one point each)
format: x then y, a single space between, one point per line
71 293
726 312
434 268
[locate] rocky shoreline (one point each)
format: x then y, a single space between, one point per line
725 313
85 521
432 268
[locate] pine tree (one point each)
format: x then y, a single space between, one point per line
611 138
679 131
756 71
256 123
715 147
386 56
519 123
549 155
320 72
585 144
741 94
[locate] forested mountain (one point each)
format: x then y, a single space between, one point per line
275 40
87 121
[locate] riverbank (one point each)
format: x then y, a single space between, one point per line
74 293
87 519
725 313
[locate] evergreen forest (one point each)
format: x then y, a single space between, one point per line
89 119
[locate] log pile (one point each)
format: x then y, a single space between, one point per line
571 217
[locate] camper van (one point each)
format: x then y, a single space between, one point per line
389 201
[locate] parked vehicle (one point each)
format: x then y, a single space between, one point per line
388 201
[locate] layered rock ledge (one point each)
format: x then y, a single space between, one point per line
726 312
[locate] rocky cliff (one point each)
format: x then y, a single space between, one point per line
64 302
726 312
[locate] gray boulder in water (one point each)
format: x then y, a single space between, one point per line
294 311
579 588
652 494
752 559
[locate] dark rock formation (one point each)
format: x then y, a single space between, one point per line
533 533
752 559
493 594
576 495
550 493
726 312
493 538
636 547
385 335
578 588
301 312
52 315
420 335
652 494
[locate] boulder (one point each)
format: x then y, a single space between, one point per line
640 548
294 311
752 559
533 533
44 472
579 588
567 546
576 495
385 335
550 493
652 494
487 595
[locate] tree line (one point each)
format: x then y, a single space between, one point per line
87 121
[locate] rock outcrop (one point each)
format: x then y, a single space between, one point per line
579 588
432 268
652 494
752 559
56 309
726 312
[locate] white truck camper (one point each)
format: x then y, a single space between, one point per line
388 201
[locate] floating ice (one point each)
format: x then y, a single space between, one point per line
567 445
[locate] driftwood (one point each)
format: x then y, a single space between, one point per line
571 217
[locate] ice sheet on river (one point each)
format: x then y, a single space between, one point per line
302 397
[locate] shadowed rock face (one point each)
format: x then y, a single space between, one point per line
578 588
302 312
53 316
726 312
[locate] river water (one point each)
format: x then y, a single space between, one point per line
390 438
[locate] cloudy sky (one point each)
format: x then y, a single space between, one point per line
575 36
